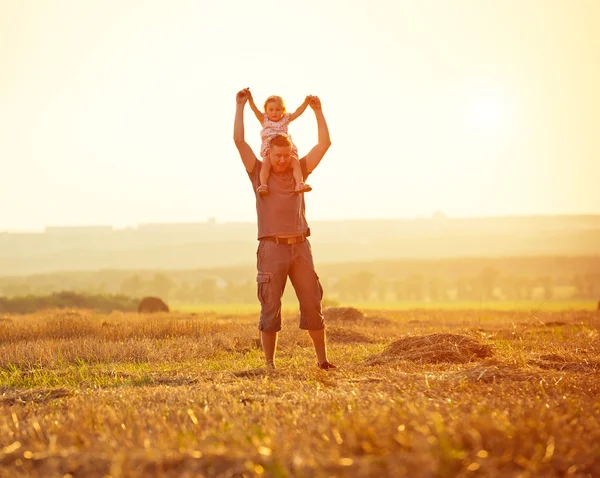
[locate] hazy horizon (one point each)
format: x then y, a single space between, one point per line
121 114
217 221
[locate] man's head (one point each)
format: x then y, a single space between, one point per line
280 152
274 108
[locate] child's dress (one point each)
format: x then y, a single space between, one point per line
273 128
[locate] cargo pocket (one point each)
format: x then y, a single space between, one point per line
319 288
263 284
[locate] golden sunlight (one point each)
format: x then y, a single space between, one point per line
487 112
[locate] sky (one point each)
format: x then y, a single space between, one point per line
121 113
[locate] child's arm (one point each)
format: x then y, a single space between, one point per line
259 115
299 111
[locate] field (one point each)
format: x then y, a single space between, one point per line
433 392
532 306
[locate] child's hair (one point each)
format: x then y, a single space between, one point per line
275 99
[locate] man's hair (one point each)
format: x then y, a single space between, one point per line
275 99
280 140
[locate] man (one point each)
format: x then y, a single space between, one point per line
283 248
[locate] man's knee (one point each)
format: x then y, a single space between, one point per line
312 320
270 321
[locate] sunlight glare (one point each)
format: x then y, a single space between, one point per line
487 112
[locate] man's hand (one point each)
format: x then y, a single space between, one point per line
242 96
314 102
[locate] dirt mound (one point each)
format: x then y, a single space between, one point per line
341 335
437 348
152 304
343 313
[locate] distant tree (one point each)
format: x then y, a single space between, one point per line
132 286
415 287
247 291
548 284
161 286
437 288
509 284
398 289
486 282
365 283
525 288
16 290
100 288
592 282
358 286
381 289
184 293
229 291
463 288
587 285
206 291
244 292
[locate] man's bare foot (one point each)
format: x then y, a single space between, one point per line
302 188
263 190
270 366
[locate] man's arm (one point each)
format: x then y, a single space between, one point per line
314 156
246 153
259 114
300 110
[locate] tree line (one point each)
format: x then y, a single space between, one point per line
362 283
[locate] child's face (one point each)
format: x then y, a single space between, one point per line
274 111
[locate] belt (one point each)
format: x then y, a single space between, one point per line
285 240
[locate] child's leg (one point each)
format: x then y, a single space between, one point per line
299 180
265 169
263 189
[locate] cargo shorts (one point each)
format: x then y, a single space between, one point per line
274 263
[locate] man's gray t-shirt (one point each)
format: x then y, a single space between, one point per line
280 212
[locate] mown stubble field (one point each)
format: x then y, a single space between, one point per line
430 393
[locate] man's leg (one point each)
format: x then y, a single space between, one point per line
269 344
310 293
318 339
272 265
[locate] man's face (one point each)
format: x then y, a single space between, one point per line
280 157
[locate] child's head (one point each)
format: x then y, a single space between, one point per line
274 108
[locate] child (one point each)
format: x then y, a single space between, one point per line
275 121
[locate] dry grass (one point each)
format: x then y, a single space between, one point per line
418 393
11 397
494 372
